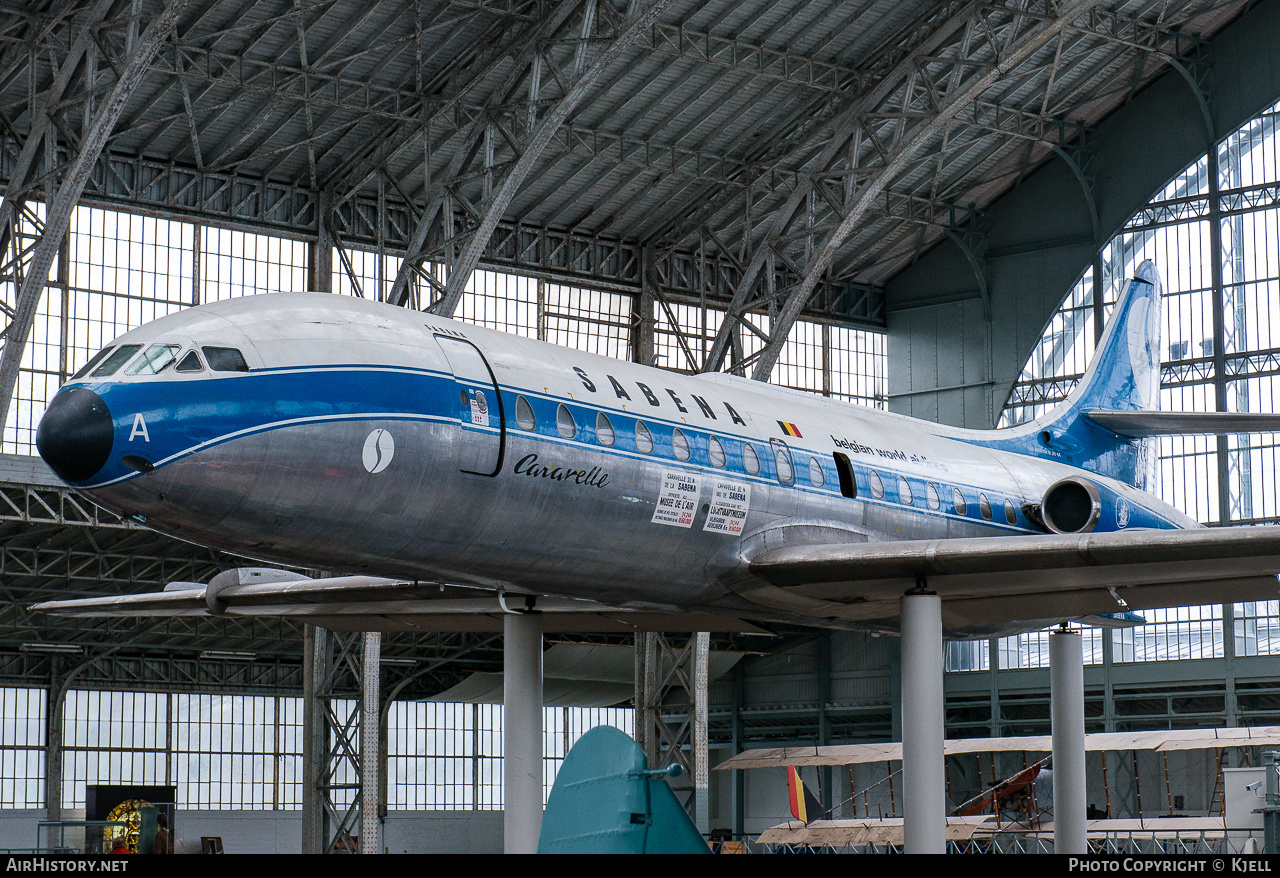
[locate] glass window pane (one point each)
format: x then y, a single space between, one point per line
604 430
565 424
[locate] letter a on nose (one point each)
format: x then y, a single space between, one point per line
139 429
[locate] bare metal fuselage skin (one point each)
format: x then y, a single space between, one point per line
372 439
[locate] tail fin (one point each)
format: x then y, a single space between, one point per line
1125 372
1123 377
805 806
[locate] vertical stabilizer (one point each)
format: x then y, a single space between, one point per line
1123 376
1125 372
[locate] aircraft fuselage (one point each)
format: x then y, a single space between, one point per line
365 438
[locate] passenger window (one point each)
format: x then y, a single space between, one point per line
1010 512
782 461
904 491
750 460
931 494
816 477
716 451
118 358
680 444
644 439
877 486
525 418
225 360
984 506
565 425
604 430
957 500
848 481
190 363
94 361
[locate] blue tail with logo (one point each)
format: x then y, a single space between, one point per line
1123 377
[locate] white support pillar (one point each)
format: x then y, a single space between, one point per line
370 767
923 768
522 732
1066 711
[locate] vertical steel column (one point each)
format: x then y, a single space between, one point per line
370 752
1066 711
642 320
824 717
57 697
646 708
739 733
315 733
1231 705
320 257
701 754
1219 329
923 775
522 732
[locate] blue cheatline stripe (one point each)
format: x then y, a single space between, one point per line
266 428
344 393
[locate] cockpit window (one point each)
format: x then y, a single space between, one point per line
225 360
156 359
190 363
121 355
93 361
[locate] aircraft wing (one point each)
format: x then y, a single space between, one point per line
370 603
986 581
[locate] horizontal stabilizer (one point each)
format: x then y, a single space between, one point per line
1112 620
1142 425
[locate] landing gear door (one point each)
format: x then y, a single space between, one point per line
478 407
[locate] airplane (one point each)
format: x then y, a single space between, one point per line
443 474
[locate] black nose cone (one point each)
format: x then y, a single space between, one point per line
75 434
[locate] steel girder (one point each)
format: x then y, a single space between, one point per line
884 132
1157 134
575 74
58 212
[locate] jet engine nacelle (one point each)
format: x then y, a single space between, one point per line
1071 506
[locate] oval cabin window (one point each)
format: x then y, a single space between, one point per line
644 439
524 414
604 430
816 478
680 444
715 451
931 494
566 426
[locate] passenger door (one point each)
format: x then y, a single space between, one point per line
478 406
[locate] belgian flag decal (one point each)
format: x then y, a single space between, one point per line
804 804
790 429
